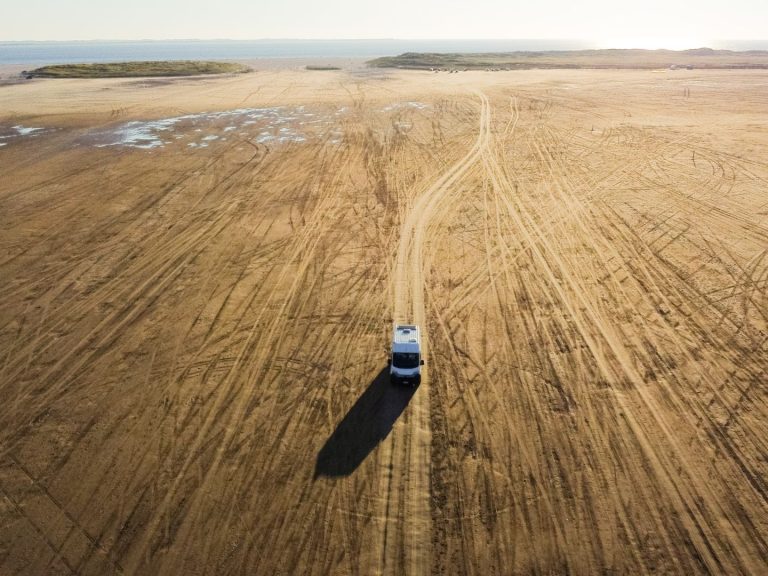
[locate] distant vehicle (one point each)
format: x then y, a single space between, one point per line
406 362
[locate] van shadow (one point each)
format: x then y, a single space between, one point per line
366 424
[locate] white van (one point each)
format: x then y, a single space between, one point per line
406 362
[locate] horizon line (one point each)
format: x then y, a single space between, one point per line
317 39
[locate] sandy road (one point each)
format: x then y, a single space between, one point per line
412 530
193 339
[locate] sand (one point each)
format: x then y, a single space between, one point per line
198 280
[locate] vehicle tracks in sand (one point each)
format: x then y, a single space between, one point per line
193 356
407 531
559 238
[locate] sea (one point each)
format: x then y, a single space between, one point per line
39 53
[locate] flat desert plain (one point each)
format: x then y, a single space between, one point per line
199 278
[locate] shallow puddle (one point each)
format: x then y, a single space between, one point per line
10 133
404 105
277 125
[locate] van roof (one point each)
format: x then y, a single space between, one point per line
407 334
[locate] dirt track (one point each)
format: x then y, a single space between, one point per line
193 334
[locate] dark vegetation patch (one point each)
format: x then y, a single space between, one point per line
611 58
137 69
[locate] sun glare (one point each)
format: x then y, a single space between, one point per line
653 43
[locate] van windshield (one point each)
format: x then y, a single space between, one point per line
405 359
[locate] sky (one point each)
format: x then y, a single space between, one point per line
607 23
